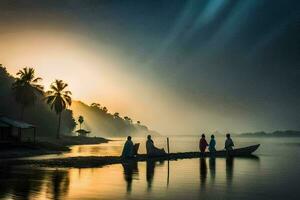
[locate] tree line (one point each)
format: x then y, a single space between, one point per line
100 120
24 97
27 92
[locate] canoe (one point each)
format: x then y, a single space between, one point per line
96 161
239 152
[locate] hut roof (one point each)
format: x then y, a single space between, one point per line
82 131
3 124
7 122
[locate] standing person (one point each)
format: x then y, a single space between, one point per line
202 144
228 143
128 148
212 144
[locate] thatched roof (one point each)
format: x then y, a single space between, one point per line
82 131
7 122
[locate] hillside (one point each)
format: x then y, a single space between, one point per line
103 123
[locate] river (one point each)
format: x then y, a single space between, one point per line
274 174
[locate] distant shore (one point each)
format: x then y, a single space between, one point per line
45 146
288 133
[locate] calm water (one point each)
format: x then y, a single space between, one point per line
274 174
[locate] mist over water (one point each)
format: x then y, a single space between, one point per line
272 175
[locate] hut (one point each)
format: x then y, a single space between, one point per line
82 132
11 130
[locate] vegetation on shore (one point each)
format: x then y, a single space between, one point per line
45 146
22 98
25 99
287 133
98 119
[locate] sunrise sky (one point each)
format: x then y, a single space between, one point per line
177 66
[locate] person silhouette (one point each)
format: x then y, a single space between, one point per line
212 145
152 150
228 144
202 144
128 148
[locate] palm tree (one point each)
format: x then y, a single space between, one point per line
58 99
80 120
26 88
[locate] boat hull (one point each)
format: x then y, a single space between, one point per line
96 161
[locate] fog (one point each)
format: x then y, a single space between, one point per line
155 69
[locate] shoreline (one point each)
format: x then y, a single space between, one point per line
100 161
45 146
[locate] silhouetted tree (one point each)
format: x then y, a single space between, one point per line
112 124
104 109
96 105
80 120
116 115
26 88
58 99
130 120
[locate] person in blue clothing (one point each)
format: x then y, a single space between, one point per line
212 144
128 148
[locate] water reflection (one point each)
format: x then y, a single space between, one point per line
203 172
150 171
27 183
130 172
59 185
32 183
229 169
150 167
212 168
21 185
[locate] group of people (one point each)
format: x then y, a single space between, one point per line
129 149
212 144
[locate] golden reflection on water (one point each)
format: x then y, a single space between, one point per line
207 178
151 179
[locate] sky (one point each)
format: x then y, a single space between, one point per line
180 67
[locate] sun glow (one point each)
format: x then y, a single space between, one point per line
94 72
62 56
98 72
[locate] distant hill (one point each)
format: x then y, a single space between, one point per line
100 122
288 133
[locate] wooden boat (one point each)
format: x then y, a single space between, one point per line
96 161
239 152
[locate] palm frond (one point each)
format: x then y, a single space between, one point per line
37 79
